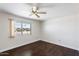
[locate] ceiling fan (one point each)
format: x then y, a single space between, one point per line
35 11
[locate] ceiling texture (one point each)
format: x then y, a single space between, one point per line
53 10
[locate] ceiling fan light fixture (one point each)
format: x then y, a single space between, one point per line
34 8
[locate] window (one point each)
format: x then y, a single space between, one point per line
17 27
22 28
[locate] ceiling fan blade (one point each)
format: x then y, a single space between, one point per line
41 12
37 15
37 8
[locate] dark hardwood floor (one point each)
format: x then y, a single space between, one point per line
41 48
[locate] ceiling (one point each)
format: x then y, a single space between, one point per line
53 9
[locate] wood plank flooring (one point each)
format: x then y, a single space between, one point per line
41 48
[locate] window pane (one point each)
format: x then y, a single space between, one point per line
18 27
25 25
26 28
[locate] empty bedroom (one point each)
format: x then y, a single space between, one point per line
39 29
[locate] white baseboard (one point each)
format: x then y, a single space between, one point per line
61 45
17 46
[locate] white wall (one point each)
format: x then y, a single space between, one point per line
63 31
8 43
